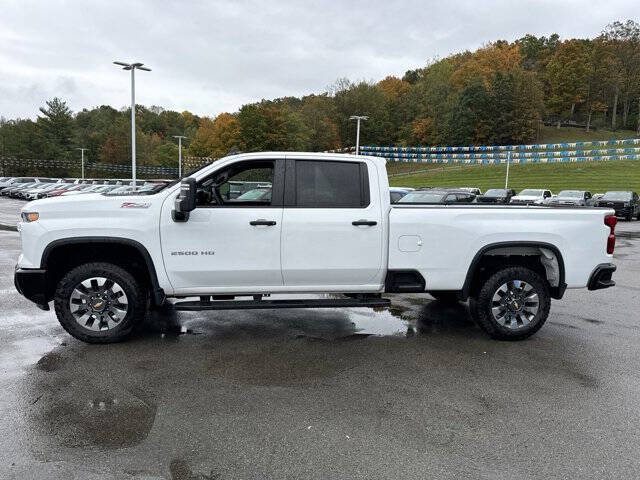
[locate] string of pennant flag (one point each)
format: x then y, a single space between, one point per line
628 149
505 148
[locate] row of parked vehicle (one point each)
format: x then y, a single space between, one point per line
34 188
625 203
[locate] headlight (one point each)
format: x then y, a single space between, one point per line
627 204
30 216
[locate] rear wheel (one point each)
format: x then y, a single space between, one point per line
99 303
512 304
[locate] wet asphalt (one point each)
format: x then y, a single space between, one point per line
415 391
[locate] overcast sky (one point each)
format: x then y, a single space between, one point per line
213 56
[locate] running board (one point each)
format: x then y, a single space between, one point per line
268 304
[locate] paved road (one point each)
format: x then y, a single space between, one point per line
414 392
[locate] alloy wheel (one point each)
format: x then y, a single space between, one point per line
515 304
98 303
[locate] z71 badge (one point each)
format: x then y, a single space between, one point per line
135 205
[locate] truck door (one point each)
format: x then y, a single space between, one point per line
332 225
231 241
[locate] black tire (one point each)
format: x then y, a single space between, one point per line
135 294
446 296
629 217
482 303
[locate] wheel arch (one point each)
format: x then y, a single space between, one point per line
515 248
101 245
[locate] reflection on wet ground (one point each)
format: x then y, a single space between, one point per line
408 315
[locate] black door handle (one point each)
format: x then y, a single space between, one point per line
368 223
262 221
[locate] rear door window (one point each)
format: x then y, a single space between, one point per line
327 184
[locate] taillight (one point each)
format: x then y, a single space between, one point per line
611 222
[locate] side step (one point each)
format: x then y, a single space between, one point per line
268 304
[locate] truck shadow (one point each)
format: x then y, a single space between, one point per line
406 317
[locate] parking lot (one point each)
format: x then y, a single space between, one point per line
415 391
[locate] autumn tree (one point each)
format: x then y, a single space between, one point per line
623 43
567 73
215 138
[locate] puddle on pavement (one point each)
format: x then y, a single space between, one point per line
327 323
406 316
92 415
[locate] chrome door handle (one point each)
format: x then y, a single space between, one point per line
262 221
368 223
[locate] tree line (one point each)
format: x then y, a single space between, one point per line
497 94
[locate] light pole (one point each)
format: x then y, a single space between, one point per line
133 67
358 118
82 150
506 180
179 137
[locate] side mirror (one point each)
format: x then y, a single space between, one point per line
185 201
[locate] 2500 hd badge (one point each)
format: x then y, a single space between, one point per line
193 253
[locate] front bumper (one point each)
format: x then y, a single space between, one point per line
32 284
624 212
601 277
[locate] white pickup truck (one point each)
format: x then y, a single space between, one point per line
315 223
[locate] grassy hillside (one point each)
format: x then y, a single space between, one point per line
593 176
570 135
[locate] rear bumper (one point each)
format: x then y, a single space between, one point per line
601 277
32 284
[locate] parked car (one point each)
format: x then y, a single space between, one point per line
123 190
531 196
396 193
496 195
474 190
570 197
437 196
66 188
626 204
32 193
15 182
258 195
14 190
331 231
594 198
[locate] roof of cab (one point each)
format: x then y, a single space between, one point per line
312 155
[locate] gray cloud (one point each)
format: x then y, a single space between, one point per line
209 57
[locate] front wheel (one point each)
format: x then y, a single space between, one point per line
512 304
99 303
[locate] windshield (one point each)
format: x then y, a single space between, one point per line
532 193
617 196
495 192
422 197
571 193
